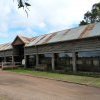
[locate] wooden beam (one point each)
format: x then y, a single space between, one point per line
37 59
13 64
25 58
53 62
74 62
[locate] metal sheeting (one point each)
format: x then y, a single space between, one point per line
72 34
81 32
25 39
86 31
35 41
95 31
5 46
45 39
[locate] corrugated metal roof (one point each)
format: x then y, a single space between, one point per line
86 31
25 39
6 46
81 32
72 34
36 40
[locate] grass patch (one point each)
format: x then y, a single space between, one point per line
90 79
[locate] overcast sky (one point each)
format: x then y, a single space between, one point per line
45 16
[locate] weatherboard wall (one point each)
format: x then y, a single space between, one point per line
6 53
67 46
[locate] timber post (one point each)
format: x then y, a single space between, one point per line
74 62
13 64
37 59
25 58
53 62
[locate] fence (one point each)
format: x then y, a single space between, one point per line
7 65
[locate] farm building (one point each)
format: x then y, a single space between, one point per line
76 49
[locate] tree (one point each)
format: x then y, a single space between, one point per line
92 16
23 4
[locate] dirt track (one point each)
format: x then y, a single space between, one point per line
18 87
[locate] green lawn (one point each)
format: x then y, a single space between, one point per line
81 78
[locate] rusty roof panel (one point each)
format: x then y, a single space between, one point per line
35 41
90 30
72 34
43 41
50 37
87 30
5 46
67 31
58 37
24 39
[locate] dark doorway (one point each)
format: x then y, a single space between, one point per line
18 51
30 61
63 61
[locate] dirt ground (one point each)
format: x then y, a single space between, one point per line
19 87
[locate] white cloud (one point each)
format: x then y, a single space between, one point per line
51 15
42 25
3 35
56 13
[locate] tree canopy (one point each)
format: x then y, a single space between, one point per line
92 16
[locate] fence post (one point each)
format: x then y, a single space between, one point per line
53 62
12 62
2 66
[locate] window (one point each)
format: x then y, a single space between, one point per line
89 61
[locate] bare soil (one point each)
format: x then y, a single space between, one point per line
20 87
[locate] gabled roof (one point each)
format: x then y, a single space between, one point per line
22 39
25 39
86 31
81 32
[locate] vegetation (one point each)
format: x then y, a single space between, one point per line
92 16
90 79
23 4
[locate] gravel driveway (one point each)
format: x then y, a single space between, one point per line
20 87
